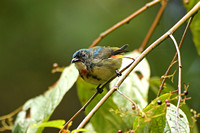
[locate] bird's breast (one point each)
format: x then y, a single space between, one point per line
83 72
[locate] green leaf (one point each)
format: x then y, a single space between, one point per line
155 84
189 115
195 25
40 108
135 86
189 5
55 123
103 120
153 117
89 127
171 126
82 130
195 28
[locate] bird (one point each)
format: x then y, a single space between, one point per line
98 64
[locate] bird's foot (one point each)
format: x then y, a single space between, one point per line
99 89
118 73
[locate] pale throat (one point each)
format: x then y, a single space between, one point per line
80 65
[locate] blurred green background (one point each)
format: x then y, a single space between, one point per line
35 34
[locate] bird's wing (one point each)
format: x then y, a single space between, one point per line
107 52
120 50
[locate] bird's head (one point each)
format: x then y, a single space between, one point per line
81 56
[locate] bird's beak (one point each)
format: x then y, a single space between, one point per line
75 60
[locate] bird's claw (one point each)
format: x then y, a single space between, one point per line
99 89
118 73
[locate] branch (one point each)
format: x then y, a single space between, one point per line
88 102
179 80
137 60
8 117
126 20
78 112
153 26
130 100
173 60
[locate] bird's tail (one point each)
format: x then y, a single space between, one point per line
120 50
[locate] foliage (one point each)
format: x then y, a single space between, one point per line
195 25
117 113
160 118
171 120
135 86
40 108
56 123
154 86
104 120
153 117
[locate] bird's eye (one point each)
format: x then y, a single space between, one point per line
83 55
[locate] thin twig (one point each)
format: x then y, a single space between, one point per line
137 60
79 111
172 62
11 114
128 99
96 107
153 26
179 81
9 118
124 21
88 102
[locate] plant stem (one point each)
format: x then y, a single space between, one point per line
88 102
128 99
173 60
11 114
137 60
179 80
79 111
9 118
124 21
154 24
